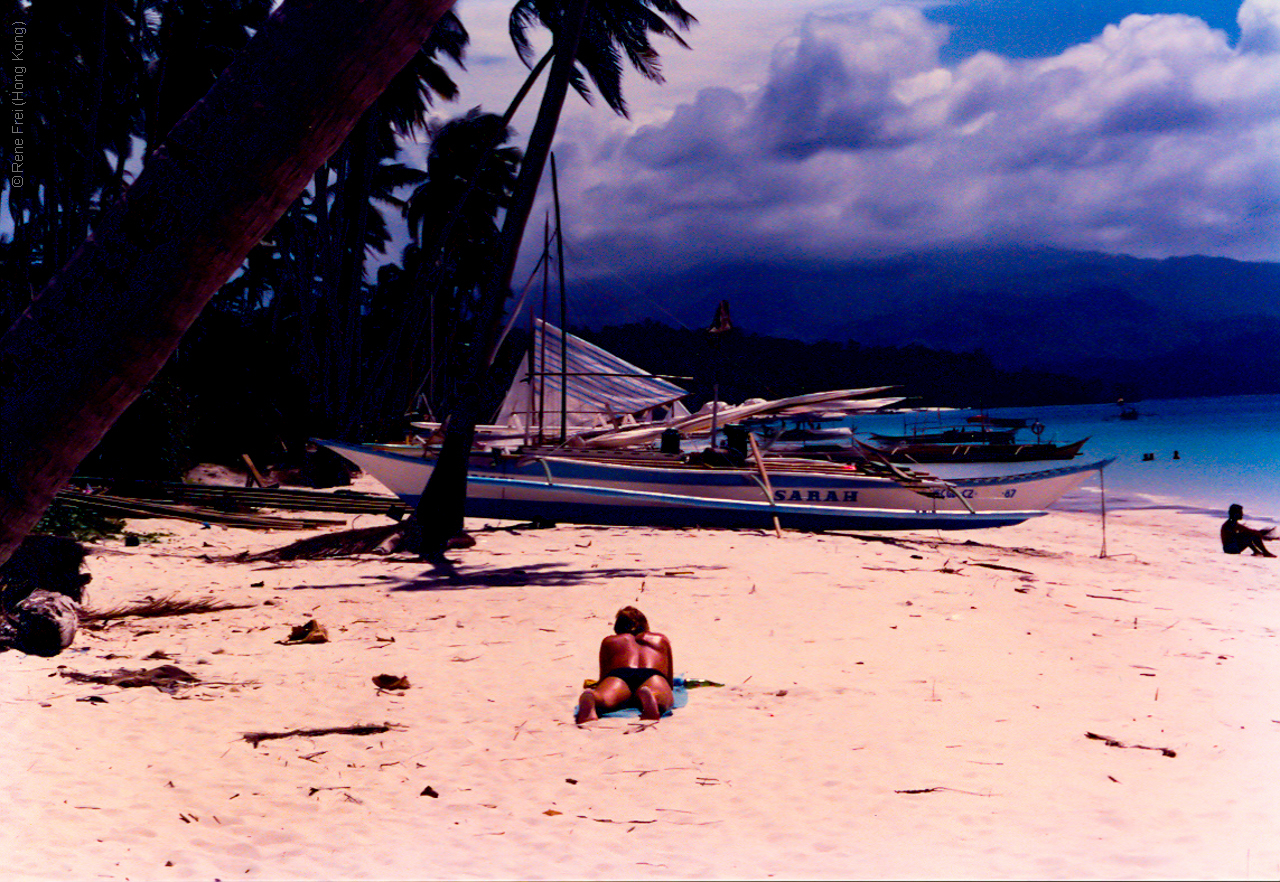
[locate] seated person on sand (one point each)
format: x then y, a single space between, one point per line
635 670
1236 537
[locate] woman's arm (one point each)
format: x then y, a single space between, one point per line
664 646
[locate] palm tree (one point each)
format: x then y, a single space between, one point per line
466 168
109 319
82 70
329 293
590 39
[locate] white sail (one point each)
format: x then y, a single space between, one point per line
601 389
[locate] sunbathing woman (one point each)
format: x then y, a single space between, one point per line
635 670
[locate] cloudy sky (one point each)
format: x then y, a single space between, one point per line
833 130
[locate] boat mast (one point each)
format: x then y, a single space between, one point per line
564 349
542 337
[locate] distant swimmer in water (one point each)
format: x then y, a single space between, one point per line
1236 537
635 670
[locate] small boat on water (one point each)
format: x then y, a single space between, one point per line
981 439
640 489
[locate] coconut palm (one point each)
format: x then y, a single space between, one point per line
590 39
330 294
467 168
78 76
109 319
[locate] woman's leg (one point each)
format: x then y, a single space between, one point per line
655 698
607 695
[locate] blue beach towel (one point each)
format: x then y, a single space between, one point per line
678 692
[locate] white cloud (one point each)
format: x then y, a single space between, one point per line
1157 137
1260 26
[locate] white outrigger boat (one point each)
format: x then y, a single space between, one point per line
666 490
605 409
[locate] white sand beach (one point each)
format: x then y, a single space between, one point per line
914 708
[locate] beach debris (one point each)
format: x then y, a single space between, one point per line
342 543
159 607
1112 742
121 507
256 738
941 790
390 681
314 790
310 632
429 791
996 566
43 623
694 683
93 699
166 678
41 589
462 539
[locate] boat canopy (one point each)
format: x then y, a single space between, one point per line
601 389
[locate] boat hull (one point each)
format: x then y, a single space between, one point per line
800 496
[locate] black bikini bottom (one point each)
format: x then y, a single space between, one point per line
634 677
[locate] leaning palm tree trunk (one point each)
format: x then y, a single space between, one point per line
440 511
108 321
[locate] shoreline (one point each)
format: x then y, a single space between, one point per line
905 705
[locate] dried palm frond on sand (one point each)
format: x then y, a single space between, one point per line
365 540
158 607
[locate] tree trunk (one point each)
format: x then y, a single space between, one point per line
108 321
442 507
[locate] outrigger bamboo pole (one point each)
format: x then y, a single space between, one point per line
764 476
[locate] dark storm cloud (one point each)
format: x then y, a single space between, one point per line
1158 136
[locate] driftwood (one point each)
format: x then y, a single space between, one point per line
256 738
43 623
1112 742
41 588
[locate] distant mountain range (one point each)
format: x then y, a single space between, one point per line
1174 327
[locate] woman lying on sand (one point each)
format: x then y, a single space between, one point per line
635 670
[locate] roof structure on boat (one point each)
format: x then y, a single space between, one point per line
599 385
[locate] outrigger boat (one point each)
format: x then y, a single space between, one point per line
982 439
673 490
605 410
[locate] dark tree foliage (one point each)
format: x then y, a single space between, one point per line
292 346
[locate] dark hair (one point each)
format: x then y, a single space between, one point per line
1236 511
630 621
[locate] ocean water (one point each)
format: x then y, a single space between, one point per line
1228 451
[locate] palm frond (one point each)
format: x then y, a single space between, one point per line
160 607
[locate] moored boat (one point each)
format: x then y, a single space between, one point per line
657 489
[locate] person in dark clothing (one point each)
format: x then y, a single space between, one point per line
1236 537
635 670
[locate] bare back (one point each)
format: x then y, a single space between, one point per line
647 650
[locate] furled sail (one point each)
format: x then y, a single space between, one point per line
601 389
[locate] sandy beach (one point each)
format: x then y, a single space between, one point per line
907 705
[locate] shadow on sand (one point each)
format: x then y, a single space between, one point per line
448 576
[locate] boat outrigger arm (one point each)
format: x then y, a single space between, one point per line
912 478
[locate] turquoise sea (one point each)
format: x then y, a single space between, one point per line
1228 451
